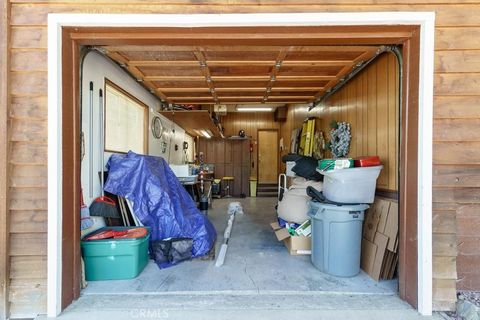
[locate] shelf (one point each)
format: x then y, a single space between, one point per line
193 120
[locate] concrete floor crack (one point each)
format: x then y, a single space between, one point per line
249 276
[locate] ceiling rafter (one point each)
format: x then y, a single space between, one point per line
242 97
229 48
273 74
206 72
135 72
225 63
239 74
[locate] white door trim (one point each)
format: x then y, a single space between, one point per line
426 21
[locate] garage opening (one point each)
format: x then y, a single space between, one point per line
222 86
211 97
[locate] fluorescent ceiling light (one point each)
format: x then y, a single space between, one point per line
206 133
251 109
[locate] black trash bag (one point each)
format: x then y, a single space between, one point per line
169 252
306 167
291 157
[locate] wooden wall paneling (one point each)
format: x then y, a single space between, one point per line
360 114
246 155
372 110
4 160
219 151
370 104
210 156
382 119
228 153
201 146
246 180
365 86
237 183
352 116
229 170
219 170
393 121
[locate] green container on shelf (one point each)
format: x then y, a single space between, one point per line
114 259
333 164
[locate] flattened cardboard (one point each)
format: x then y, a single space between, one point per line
371 222
383 207
381 241
391 227
369 250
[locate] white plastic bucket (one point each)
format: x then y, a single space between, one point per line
354 185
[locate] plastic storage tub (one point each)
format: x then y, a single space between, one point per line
337 237
114 259
355 185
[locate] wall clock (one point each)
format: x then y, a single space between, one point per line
157 127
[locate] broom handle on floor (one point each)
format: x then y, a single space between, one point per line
102 140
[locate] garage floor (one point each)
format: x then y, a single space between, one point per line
256 263
259 280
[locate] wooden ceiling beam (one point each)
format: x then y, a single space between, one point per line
206 72
227 63
163 63
238 78
274 73
199 89
136 73
241 102
247 89
239 48
190 98
196 37
297 89
315 63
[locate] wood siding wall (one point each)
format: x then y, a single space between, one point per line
251 122
456 155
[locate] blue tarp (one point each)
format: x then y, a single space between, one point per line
159 200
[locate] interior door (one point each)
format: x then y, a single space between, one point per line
267 156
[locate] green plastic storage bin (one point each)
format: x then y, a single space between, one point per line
114 259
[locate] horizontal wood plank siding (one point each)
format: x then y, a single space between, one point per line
456 112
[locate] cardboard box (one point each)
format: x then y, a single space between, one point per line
296 245
380 239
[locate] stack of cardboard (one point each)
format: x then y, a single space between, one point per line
380 239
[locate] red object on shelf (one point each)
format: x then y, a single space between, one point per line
368 161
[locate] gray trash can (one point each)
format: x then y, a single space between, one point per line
337 237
